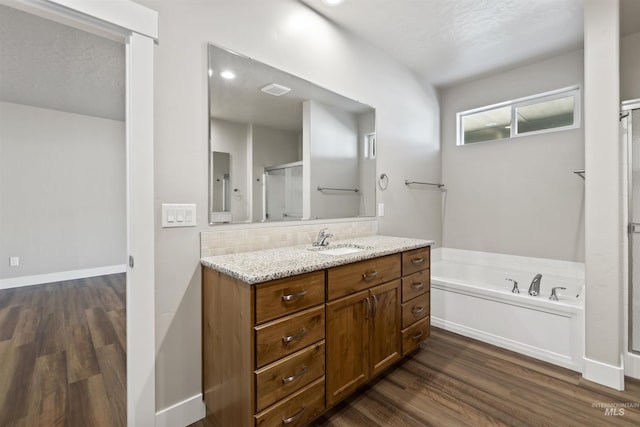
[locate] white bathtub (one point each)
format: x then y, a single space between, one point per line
470 296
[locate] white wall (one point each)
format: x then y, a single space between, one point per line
230 137
333 161
516 196
271 147
630 67
287 35
62 191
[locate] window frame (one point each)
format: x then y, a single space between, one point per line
574 91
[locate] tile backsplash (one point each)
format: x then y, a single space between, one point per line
222 240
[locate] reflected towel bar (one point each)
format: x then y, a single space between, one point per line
580 173
355 190
407 182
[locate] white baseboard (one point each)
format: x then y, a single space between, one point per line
518 347
182 413
16 282
632 365
603 373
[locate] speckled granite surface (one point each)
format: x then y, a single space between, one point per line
262 266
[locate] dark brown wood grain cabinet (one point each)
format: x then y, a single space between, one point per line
284 351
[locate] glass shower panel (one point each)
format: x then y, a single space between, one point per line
631 131
283 193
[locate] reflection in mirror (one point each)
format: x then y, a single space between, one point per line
293 149
221 183
282 192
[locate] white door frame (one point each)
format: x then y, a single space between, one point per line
138 25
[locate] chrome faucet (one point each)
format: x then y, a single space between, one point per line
515 289
321 240
554 295
534 288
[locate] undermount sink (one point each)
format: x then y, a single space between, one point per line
340 249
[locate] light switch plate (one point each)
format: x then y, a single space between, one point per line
178 215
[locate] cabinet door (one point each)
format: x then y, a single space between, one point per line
385 339
347 345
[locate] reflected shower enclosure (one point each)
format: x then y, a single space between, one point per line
282 192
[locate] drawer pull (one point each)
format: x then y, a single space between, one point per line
295 417
367 276
417 286
297 336
291 297
417 336
366 316
417 310
295 376
417 261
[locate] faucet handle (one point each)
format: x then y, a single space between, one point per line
554 295
515 289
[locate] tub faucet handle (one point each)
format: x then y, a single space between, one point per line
554 295
515 289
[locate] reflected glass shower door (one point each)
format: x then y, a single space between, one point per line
630 130
283 192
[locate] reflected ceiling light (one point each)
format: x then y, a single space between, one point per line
490 124
333 2
229 75
210 72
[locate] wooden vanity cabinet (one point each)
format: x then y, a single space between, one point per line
263 350
284 351
416 298
363 328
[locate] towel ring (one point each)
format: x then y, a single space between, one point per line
383 181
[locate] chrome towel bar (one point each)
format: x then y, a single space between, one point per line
355 190
407 182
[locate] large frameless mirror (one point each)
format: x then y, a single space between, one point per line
282 148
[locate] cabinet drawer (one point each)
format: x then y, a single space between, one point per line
416 309
288 335
415 260
416 284
283 377
415 334
351 278
296 410
285 296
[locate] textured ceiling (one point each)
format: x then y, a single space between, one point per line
50 65
447 41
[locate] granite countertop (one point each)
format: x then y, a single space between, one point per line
261 266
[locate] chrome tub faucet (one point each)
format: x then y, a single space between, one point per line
534 288
554 295
321 240
515 289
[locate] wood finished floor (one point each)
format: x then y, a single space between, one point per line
62 354
457 381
